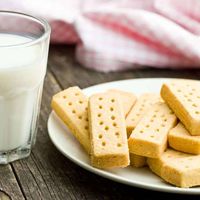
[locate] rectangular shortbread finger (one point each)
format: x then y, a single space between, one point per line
180 139
128 99
139 109
109 147
183 97
179 169
71 106
149 138
134 116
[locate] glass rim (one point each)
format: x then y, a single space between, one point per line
39 20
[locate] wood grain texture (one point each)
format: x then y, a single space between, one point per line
9 184
47 174
4 196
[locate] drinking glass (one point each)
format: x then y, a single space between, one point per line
24 44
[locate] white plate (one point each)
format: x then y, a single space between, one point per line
68 146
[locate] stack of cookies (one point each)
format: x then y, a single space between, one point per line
117 129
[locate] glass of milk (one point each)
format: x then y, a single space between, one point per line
24 43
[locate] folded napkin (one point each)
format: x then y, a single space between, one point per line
119 34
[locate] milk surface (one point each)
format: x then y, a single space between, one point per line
22 70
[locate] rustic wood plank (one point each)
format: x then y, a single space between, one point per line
8 184
47 174
4 196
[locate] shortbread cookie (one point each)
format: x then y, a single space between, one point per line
139 109
134 116
180 139
137 161
71 106
156 164
149 138
183 97
179 169
109 147
128 99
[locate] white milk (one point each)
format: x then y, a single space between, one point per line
22 70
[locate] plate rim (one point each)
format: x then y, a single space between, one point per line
111 176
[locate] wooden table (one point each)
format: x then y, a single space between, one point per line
47 174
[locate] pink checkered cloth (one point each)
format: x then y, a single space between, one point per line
119 34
